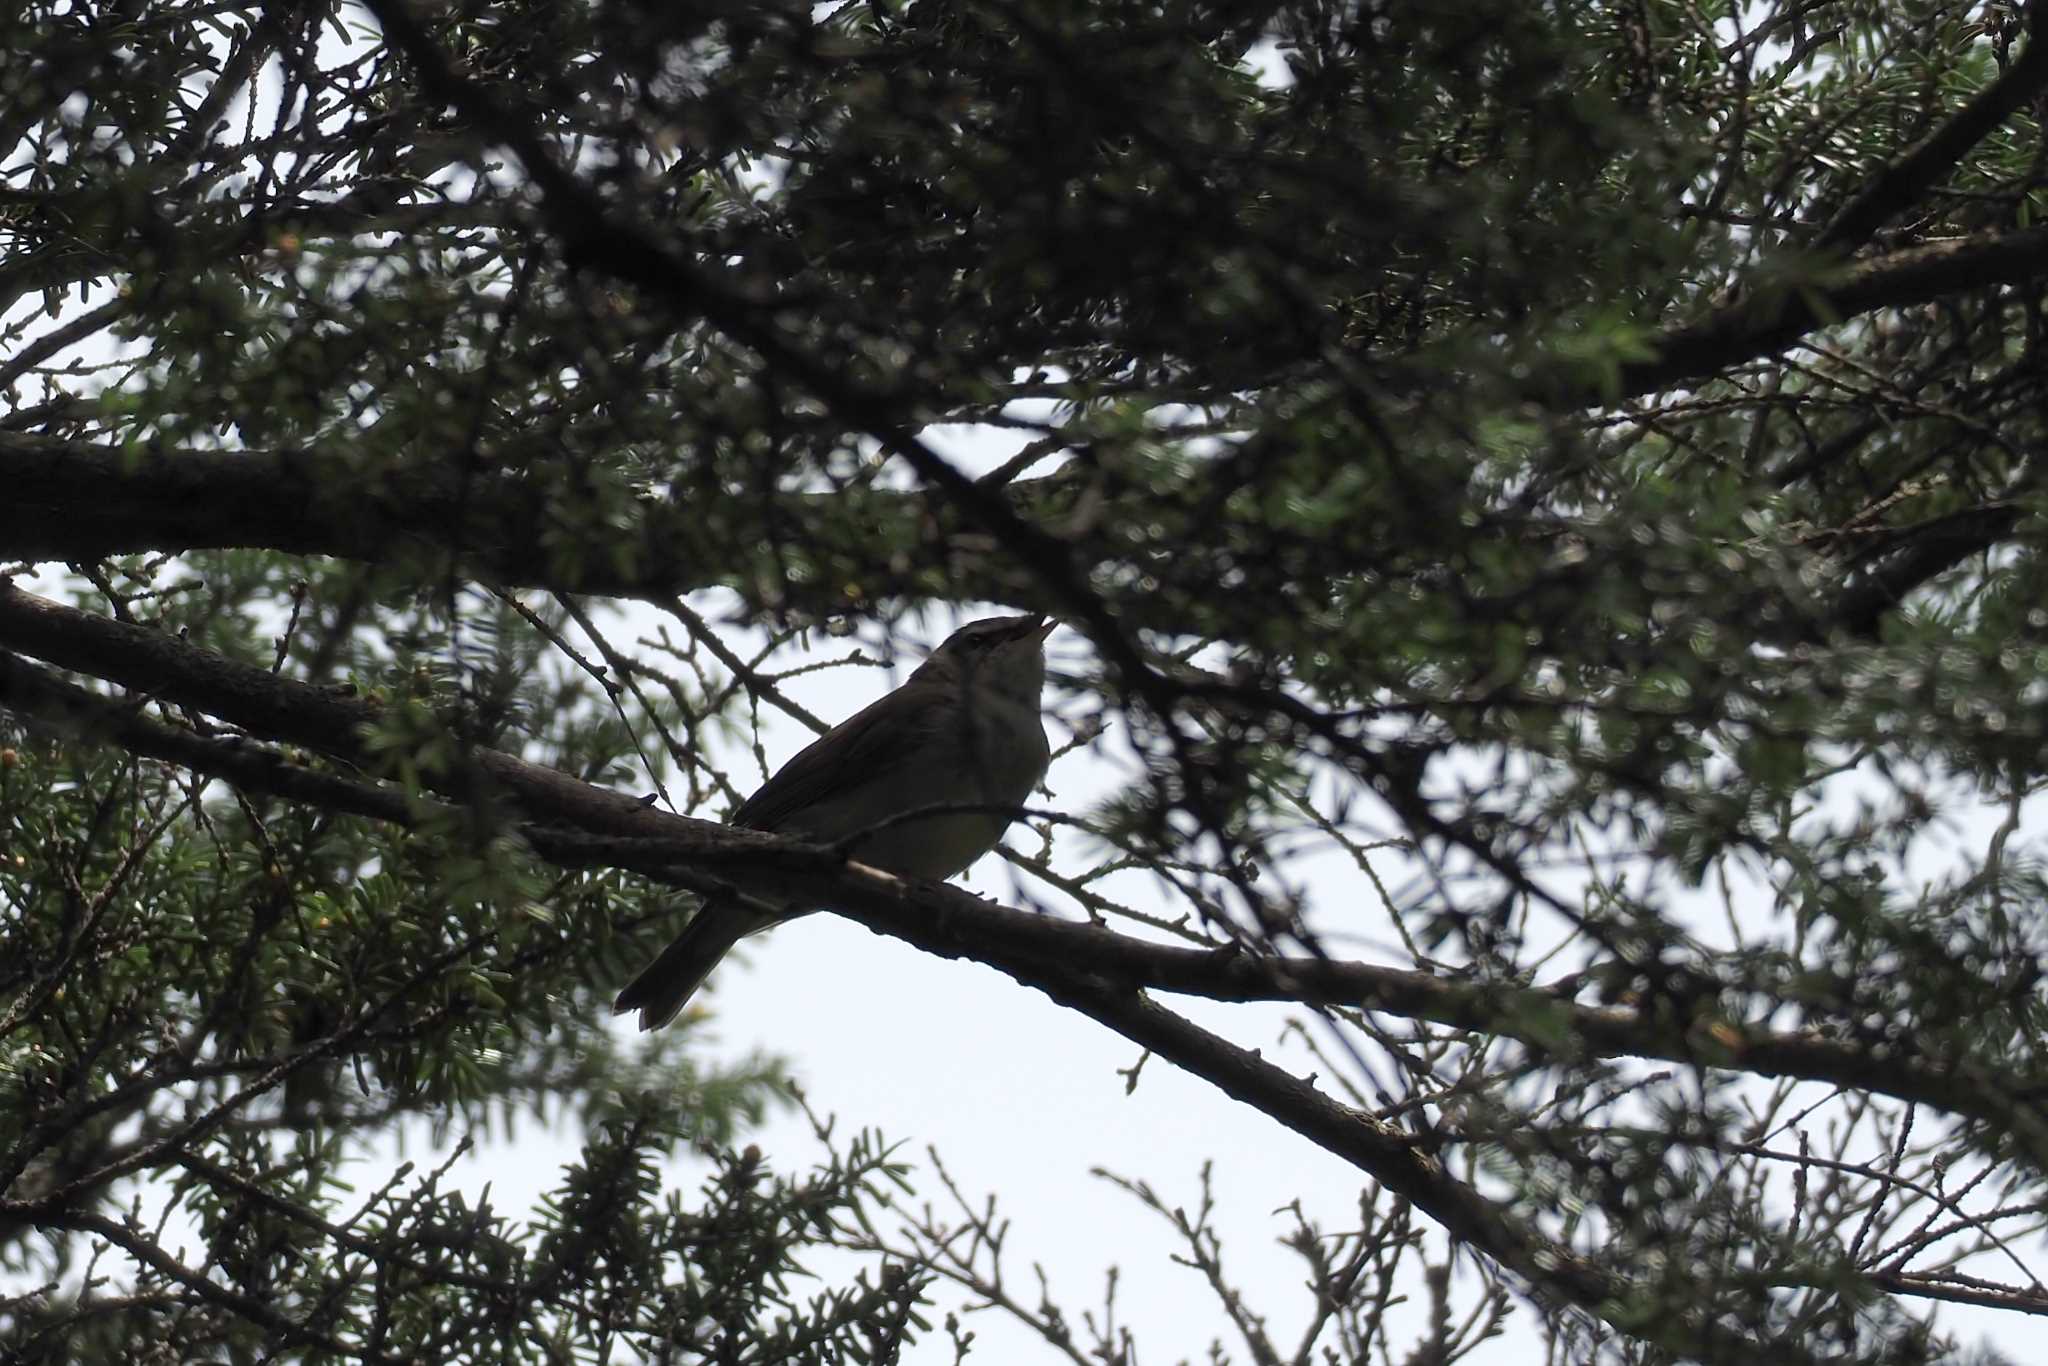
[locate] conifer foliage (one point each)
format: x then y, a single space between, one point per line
1575 462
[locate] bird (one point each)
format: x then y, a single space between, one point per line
965 730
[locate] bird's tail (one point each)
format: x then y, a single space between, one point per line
665 986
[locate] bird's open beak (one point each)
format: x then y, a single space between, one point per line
1050 625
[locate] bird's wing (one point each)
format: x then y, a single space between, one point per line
856 752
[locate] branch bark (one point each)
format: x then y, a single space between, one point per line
1897 185
1771 317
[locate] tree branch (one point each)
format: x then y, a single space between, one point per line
78 501
1898 185
39 696
330 719
1774 316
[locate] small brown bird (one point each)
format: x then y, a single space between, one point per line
964 730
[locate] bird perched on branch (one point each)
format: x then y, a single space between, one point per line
964 731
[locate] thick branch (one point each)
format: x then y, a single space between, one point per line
332 720
39 696
1932 551
1388 1156
964 927
212 236
78 501
1773 317
1901 183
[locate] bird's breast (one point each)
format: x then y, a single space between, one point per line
986 764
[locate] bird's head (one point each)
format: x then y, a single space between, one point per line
1006 651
